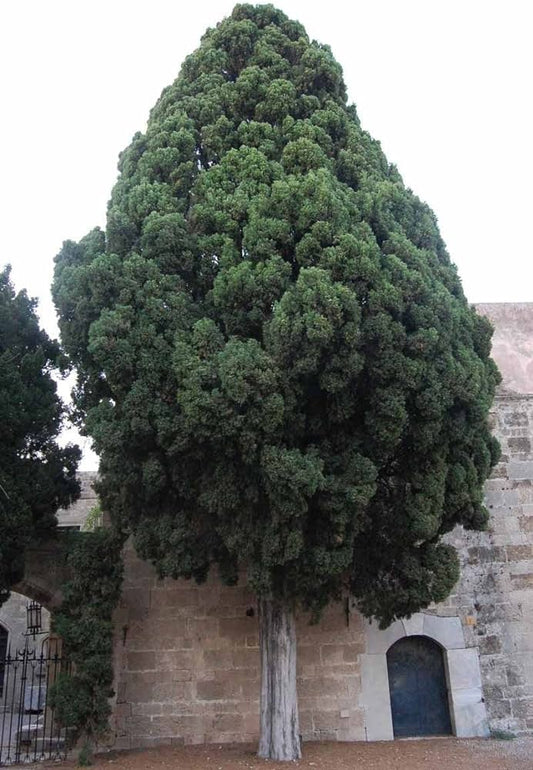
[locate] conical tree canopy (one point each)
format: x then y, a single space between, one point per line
277 362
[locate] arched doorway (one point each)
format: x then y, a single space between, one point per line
418 691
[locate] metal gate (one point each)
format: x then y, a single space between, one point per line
418 692
28 729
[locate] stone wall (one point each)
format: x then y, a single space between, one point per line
498 565
494 597
75 516
187 665
495 594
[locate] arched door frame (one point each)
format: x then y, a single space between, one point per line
6 630
6 626
463 675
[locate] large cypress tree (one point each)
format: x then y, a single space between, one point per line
277 363
36 475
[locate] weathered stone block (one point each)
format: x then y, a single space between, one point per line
486 554
463 669
139 686
489 613
520 444
308 656
141 661
351 652
135 600
122 710
172 597
470 715
237 628
448 631
168 690
326 720
519 552
332 653
341 670
526 524
218 659
489 645
239 675
520 469
379 641
251 722
321 686
516 418
414 625
522 708
173 660
228 723
520 582
249 689
216 690
245 658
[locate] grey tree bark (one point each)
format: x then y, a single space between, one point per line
279 726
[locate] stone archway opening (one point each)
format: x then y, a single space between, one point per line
13 618
418 689
461 665
30 662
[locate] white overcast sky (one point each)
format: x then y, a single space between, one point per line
445 85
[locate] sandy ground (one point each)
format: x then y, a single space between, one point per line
431 754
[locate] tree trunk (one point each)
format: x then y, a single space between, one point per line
280 731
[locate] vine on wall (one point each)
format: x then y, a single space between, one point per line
84 622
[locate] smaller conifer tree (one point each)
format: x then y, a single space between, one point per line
36 475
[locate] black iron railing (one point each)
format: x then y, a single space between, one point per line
29 731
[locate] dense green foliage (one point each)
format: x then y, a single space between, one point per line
276 360
36 475
84 622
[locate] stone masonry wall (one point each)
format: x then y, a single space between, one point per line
75 516
494 597
187 665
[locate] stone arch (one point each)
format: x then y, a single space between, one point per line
45 573
35 593
467 707
5 624
13 616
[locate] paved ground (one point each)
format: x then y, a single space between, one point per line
432 754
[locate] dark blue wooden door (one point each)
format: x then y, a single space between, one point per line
418 692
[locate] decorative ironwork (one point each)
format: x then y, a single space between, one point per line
29 731
34 622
